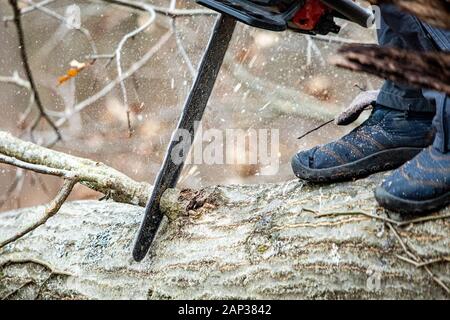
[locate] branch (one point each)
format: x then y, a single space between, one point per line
435 12
94 175
43 264
50 211
426 263
403 223
29 9
23 53
19 288
16 80
416 260
118 52
170 12
251 230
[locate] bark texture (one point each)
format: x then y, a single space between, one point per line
266 241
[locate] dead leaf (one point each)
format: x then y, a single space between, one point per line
75 68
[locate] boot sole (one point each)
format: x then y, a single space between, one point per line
396 204
377 162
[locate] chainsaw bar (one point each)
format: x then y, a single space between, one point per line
193 111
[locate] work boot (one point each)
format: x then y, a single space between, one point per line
386 140
421 185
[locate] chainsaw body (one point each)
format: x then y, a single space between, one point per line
304 16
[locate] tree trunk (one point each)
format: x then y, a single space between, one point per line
279 241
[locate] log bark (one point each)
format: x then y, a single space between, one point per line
280 241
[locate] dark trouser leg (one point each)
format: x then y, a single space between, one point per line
423 184
404 31
441 122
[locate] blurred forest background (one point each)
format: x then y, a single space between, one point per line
269 80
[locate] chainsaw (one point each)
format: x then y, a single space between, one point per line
305 16
311 17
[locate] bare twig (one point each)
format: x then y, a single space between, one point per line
97 176
384 219
118 51
61 18
50 211
182 51
94 175
315 129
23 53
13 292
357 213
52 272
151 10
334 39
425 263
43 264
14 188
16 80
412 258
171 12
313 48
35 167
128 73
423 219
415 260
29 9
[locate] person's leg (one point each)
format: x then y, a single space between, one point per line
423 184
403 31
398 128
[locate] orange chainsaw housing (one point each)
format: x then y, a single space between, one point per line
308 17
